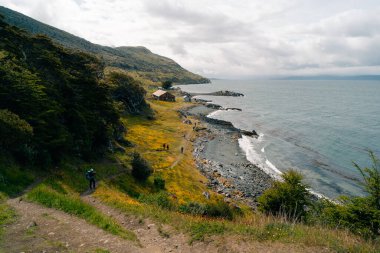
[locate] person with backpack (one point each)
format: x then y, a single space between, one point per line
90 176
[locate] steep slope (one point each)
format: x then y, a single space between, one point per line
136 59
46 92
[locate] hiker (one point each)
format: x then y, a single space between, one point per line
181 150
164 146
167 146
90 176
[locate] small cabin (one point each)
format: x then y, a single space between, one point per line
163 96
187 98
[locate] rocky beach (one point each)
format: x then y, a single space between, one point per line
219 157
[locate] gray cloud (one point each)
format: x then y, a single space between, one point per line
231 38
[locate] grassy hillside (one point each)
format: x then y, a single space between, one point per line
136 59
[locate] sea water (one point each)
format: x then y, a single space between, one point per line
316 127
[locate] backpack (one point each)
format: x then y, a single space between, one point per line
88 175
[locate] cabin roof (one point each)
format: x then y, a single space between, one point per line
159 93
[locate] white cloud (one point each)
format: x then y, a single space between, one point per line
229 38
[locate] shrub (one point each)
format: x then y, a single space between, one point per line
159 183
360 215
161 199
13 178
167 85
141 169
355 214
371 178
193 208
287 198
218 209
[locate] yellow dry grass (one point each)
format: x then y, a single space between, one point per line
179 171
111 193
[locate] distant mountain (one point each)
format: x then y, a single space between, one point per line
136 59
325 77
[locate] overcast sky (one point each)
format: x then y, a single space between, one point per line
229 38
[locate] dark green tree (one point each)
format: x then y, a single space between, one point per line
58 92
129 92
167 85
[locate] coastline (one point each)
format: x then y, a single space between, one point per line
220 158
220 153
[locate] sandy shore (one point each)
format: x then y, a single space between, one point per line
221 160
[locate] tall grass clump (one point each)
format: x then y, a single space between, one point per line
73 205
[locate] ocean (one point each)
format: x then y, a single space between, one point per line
316 127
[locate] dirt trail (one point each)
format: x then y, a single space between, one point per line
185 144
171 240
152 236
56 231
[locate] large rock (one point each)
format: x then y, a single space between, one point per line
252 133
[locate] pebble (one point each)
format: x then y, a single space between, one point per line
150 226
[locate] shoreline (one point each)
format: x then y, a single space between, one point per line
219 157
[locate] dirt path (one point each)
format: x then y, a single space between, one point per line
41 229
185 144
152 236
56 231
156 238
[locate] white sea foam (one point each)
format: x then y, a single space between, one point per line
214 113
247 145
260 138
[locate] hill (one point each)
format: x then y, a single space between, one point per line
132 59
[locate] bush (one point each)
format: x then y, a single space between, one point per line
193 208
371 178
13 178
218 209
159 183
141 169
361 215
288 198
167 85
355 214
161 199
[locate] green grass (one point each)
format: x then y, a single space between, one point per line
14 179
7 214
74 205
101 251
